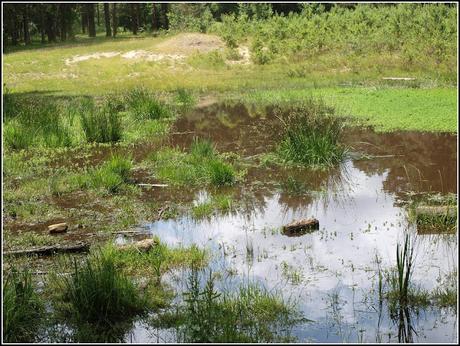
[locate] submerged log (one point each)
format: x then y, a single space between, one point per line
49 250
300 227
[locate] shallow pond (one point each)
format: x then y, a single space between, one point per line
331 272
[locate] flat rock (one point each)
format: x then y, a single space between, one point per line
142 245
58 228
300 227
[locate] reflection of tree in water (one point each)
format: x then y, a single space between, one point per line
232 127
320 186
89 333
422 161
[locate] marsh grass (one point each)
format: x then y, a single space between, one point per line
202 148
100 124
401 292
36 121
23 309
143 104
251 314
184 98
311 135
222 203
202 165
157 261
97 292
434 213
294 186
110 176
445 295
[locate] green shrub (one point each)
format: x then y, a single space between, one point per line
22 308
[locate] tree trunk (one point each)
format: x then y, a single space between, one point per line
133 18
108 30
42 23
63 21
14 29
50 27
91 24
155 25
114 20
25 18
98 15
164 10
84 19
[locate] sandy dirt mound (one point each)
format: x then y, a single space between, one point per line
189 43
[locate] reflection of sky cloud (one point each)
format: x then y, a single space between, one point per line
352 230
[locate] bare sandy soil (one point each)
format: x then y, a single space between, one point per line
176 48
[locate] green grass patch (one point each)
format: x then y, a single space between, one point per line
100 124
386 108
157 261
28 239
199 167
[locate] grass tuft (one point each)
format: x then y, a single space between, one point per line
311 135
97 292
101 124
144 105
22 308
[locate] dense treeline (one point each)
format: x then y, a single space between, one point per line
53 22
414 31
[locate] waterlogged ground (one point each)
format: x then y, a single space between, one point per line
329 273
